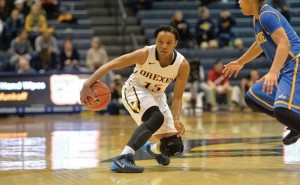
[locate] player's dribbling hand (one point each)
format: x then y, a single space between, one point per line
270 80
179 127
232 68
85 93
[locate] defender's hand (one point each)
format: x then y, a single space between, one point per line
270 80
231 68
179 127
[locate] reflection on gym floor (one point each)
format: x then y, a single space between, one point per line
219 149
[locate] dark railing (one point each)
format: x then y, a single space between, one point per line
134 41
123 22
120 11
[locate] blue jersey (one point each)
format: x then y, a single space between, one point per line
269 21
287 94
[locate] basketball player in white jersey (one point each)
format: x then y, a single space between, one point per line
143 96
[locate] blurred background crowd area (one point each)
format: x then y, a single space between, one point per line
64 36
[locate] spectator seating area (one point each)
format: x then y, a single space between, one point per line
162 11
80 32
94 18
103 19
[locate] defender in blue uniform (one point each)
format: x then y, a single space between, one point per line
276 93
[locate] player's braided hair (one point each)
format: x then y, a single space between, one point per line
167 28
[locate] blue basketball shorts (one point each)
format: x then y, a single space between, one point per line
288 93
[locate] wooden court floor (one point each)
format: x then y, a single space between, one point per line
220 148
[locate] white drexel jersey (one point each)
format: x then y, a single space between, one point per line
154 77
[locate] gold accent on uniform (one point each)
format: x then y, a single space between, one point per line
134 105
292 55
294 83
272 107
260 37
263 6
285 103
262 24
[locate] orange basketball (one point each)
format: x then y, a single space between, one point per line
103 95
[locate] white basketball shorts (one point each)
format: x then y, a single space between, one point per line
137 100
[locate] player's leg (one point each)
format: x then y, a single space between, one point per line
261 102
287 102
290 119
143 108
169 144
139 137
153 149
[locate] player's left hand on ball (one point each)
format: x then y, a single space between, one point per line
179 127
85 93
270 80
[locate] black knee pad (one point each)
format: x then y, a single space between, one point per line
256 107
153 119
171 146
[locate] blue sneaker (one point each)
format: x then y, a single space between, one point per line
160 158
125 164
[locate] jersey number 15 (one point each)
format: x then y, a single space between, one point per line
152 87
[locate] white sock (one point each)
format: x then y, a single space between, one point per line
154 148
128 150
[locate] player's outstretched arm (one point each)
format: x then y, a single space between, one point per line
235 66
176 106
137 57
